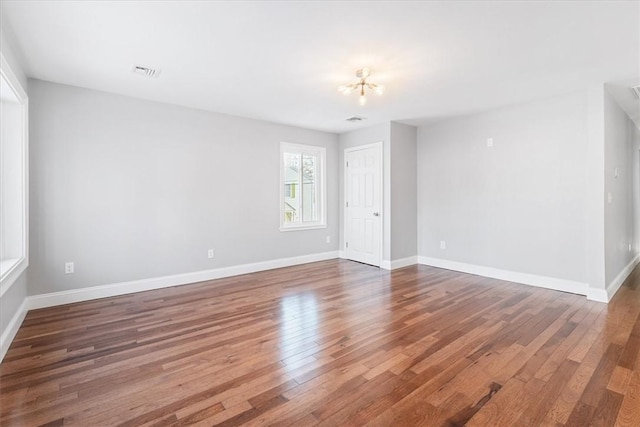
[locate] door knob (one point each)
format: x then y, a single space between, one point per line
376 214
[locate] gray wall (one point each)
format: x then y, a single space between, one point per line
130 189
404 204
594 209
621 154
636 180
399 230
519 206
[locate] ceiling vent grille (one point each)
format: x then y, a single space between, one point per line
354 119
146 71
636 90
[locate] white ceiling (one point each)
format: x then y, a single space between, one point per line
282 61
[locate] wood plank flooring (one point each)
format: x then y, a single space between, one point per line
330 343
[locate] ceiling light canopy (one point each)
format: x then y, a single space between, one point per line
362 74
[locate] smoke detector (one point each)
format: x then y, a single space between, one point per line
636 90
146 71
354 119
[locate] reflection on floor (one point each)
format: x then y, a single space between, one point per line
330 343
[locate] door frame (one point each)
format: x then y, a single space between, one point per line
380 146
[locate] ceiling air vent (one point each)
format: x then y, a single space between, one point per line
146 71
354 119
636 90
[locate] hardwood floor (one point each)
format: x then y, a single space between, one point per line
330 343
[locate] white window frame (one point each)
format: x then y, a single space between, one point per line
321 153
20 265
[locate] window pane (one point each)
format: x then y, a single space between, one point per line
292 199
11 176
302 187
309 188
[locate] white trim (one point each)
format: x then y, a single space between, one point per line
404 262
12 329
302 227
12 275
380 146
104 291
605 295
615 284
564 285
12 79
598 295
399 263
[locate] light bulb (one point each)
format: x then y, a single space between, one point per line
363 73
345 89
379 89
362 100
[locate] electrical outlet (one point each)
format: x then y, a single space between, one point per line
68 268
443 244
210 253
489 142
629 247
328 239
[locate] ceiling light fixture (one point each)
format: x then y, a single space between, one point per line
363 74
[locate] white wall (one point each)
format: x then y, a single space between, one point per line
519 206
130 189
621 154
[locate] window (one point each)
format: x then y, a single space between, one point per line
290 190
302 187
13 177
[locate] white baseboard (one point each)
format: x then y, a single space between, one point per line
605 295
399 263
598 295
615 284
404 262
511 276
12 329
104 291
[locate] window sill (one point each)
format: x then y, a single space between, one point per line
303 227
6 265
11 270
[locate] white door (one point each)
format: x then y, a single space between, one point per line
363 204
